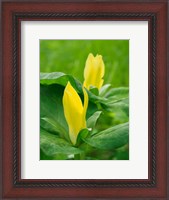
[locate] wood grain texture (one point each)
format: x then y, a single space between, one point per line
153 188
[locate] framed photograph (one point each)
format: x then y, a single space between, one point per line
84 100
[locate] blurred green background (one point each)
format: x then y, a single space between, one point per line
69 56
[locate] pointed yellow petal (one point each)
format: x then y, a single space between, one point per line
94 71
73 96
74 111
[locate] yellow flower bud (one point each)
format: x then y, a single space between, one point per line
74 111
94 71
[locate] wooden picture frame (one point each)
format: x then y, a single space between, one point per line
155 187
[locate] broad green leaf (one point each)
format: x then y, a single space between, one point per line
93 119
50 128
117 99
59 78
113 96
117 105
54 125
52 145
110 138
117 93
51 108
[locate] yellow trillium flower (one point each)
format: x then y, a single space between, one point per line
94 71
74 111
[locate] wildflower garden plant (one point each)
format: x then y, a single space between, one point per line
75 116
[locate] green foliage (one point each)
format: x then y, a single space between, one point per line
52 145
59 78
110 138
107 134
55 142
93 119
51 109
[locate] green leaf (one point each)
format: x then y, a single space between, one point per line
116 98
110 138
92 108
50 128
93 119
82 135
51 109
104 89
59 78
117 105
111 96
117 93
51 145
94 90
54 125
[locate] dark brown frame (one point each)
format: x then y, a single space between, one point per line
155 187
